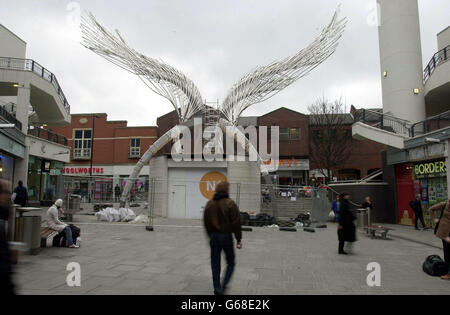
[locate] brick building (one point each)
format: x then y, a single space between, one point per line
114 147
295 165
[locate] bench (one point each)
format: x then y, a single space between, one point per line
46 233
372 230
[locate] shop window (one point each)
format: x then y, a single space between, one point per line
135 148
349 174
289 133
82 143
284 134
294 133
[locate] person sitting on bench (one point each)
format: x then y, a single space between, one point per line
52 221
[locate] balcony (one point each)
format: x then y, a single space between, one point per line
47 135
5 114
438 59
431 124
47 145
81 154
45 93
436 79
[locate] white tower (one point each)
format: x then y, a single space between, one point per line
401 59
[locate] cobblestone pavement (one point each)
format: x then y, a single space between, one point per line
121 258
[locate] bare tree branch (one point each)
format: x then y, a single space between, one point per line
330 139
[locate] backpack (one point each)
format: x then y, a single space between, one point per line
435 266
76 232
59 239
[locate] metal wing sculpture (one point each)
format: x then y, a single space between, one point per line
160 77
264 82
255 87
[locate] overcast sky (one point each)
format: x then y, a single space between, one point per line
214 42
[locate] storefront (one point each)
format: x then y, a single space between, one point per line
100 187
6 166
427 178
43 179
12 150
292 172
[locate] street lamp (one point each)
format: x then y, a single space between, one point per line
92 143
92 154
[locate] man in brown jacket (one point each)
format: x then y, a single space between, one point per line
443 230
222 219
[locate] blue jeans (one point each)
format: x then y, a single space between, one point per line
219 242
69 239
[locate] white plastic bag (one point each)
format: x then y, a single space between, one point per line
126 215
142 218
331 215
102 216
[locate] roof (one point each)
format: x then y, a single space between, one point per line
282 108
7 29
345 118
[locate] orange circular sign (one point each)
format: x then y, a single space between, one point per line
208 183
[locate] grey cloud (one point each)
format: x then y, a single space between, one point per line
214 43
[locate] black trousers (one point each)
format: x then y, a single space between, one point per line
446 251
341 246
6 285
419 216
219 242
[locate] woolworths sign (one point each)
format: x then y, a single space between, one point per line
430 169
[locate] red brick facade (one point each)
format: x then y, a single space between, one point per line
111 139
286 118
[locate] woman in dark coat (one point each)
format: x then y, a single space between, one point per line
442 230
346 229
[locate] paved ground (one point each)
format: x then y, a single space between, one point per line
120 258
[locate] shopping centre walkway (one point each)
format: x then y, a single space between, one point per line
122 258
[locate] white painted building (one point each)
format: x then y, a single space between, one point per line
29 94
181 189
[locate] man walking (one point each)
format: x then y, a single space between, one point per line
222 219
416 205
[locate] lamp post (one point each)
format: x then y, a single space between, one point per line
92 147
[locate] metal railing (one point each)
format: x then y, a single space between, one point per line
33 66
383 121
431 124
9 117
47 135
438 58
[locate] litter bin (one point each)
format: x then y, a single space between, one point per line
30 233
362 218
74 202
73 207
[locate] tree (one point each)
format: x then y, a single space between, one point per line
330 134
